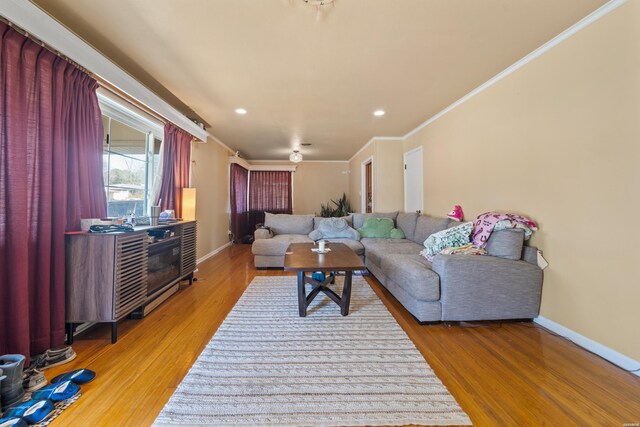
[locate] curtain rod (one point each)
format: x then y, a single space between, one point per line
50 48
103 83
123 96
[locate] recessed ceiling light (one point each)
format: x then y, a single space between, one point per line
241 111
378 113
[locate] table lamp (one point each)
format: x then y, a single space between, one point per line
188 204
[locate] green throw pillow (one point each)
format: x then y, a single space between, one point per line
396 233
376 227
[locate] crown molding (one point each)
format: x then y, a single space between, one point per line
222 144
364 147
325 161
247 165
575 28
304 161
35 21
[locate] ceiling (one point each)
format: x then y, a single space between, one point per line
314 77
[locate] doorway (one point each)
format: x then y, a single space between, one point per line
367 185
413 181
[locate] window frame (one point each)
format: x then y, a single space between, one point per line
132 117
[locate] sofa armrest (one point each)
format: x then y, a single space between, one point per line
487 288
262 233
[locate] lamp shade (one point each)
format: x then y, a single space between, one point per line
189 204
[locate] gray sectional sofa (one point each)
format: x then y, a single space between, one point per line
269 246
507 284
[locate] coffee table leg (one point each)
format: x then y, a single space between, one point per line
346 294
302 297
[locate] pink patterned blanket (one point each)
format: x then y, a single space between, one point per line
484 224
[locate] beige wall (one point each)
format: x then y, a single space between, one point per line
559 141
318 182
389 176
210 176
387 171
315 183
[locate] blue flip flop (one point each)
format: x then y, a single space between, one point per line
79 376
57 392
13 422
32 411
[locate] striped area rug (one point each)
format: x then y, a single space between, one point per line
267 366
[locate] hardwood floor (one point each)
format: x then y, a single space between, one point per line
503 374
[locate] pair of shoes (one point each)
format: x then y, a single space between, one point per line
33 379
11 390
32 411
79 376
57 392
13 422
54 357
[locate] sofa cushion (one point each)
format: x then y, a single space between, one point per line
354 245
413 274
334 228
358 218
506 243
370 242
376 227
453 237
407 223
278 244
426 226
317 219
375 248
396 233
289 224
530 254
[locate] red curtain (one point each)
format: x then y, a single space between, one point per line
238 200
50 177
176 158
269 191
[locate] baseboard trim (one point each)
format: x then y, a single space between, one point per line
603 351
213 253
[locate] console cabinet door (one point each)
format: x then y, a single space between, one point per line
130 273
188 250
106 277
89 277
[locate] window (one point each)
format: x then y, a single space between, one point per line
269 191
131 157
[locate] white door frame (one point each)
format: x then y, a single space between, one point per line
363 185
404 162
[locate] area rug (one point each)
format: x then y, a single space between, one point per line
267 366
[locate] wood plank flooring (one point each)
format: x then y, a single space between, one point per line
502 374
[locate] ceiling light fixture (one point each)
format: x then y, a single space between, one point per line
295 157
241 111
378 113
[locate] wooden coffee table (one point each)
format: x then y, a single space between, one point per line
300 258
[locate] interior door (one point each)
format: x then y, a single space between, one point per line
369 188
413 181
